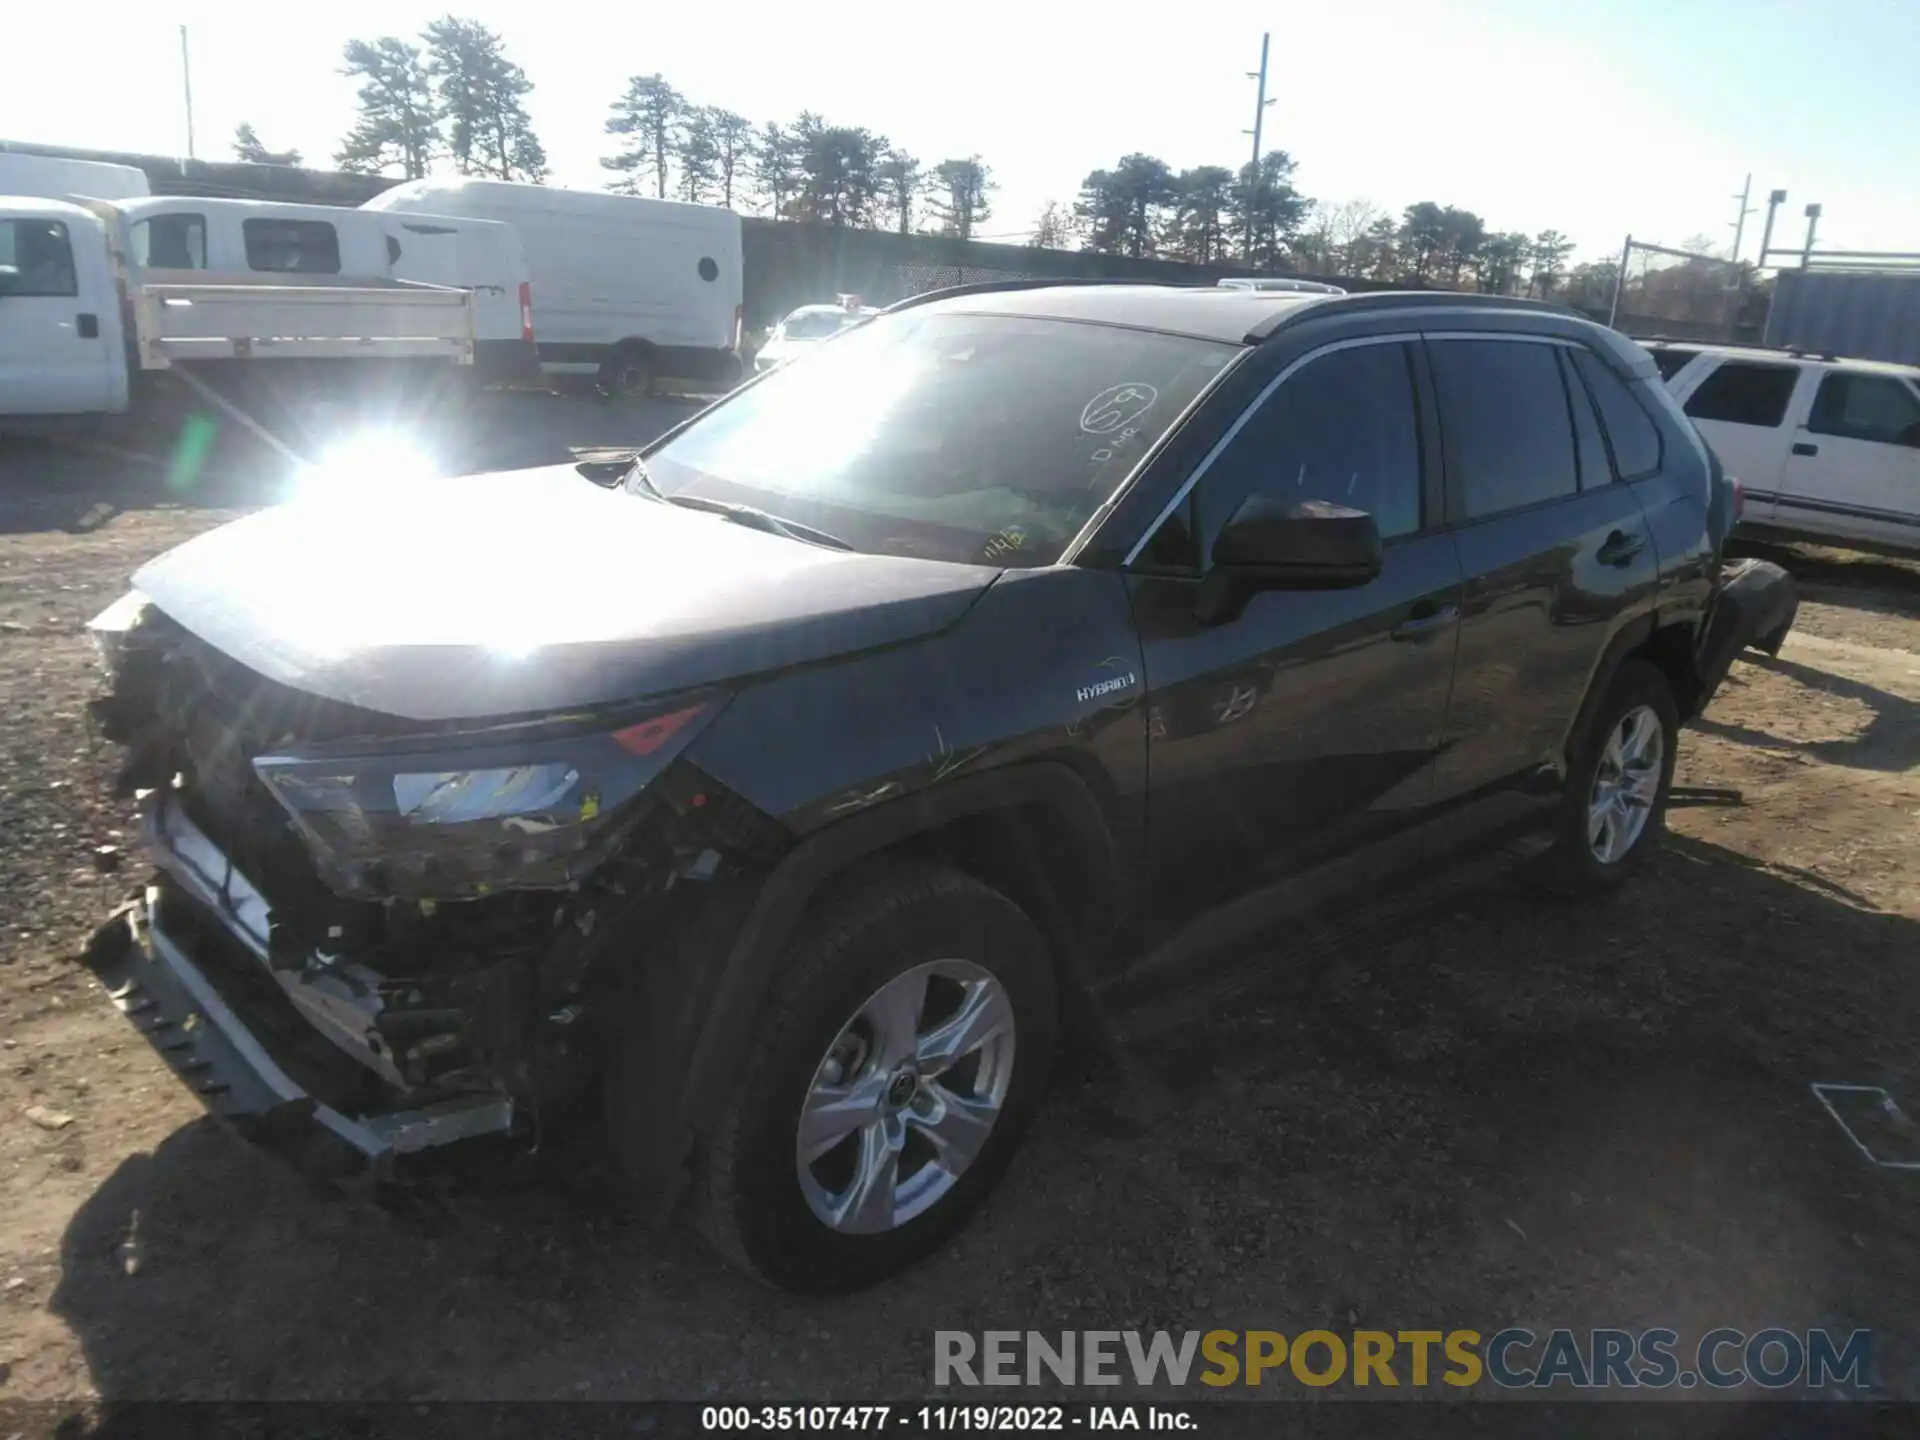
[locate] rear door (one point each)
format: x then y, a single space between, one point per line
1740 407
59 321
1306 726
1555 555
1854 467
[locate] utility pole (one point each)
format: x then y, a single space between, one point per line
1260 104
186 80
1740 221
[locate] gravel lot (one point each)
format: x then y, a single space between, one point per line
1513 1112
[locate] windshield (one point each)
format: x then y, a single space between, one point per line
988 439
815 324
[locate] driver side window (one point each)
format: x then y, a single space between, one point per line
1342 428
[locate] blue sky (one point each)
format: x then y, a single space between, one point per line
1596 117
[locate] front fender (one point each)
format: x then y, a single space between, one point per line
699 1002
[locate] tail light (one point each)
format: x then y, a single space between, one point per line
739 325
1739 497
526 311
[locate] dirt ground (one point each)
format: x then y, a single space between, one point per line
1513 1113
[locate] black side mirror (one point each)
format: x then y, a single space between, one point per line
1274 544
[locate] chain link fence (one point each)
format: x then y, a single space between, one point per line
1682 295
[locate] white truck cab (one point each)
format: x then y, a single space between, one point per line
63 347
1827 449
84 332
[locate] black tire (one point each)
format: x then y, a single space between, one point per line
1571 866
747 1192
630 373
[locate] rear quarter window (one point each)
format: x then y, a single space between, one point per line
1631 434
291 247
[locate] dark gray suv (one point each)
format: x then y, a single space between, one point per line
797 791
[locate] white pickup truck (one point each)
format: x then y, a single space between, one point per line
1826 449
81 333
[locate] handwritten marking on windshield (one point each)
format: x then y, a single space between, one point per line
1116 406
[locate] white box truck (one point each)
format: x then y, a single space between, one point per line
630 289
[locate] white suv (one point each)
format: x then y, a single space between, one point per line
1826 449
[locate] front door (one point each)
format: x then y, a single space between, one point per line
1308 724
1854 469
55 357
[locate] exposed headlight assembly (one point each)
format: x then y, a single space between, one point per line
113 627
456 824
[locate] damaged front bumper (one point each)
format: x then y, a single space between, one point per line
196 981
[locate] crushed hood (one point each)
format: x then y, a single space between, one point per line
537 590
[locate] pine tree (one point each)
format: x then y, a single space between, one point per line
248 149
651 113
481 96
396 124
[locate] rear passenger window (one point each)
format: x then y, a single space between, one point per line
299 247
1503 415
36 260
1342 428
170 242
1875 408
1632 434
1741 392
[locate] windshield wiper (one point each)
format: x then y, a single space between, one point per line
739 514
757 519
638 471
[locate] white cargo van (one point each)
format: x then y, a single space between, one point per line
253 238
630 289
54 178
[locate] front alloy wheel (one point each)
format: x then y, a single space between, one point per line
905 1097
892 1070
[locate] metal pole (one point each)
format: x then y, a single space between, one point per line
1260 104
1740 224
1813 223
1774 202
186 79
1619 283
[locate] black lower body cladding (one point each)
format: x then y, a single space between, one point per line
1756 606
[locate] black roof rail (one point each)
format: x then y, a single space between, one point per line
989 287
1310 305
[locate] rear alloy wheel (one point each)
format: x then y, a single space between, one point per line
1625 785
1615 804
893 1069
